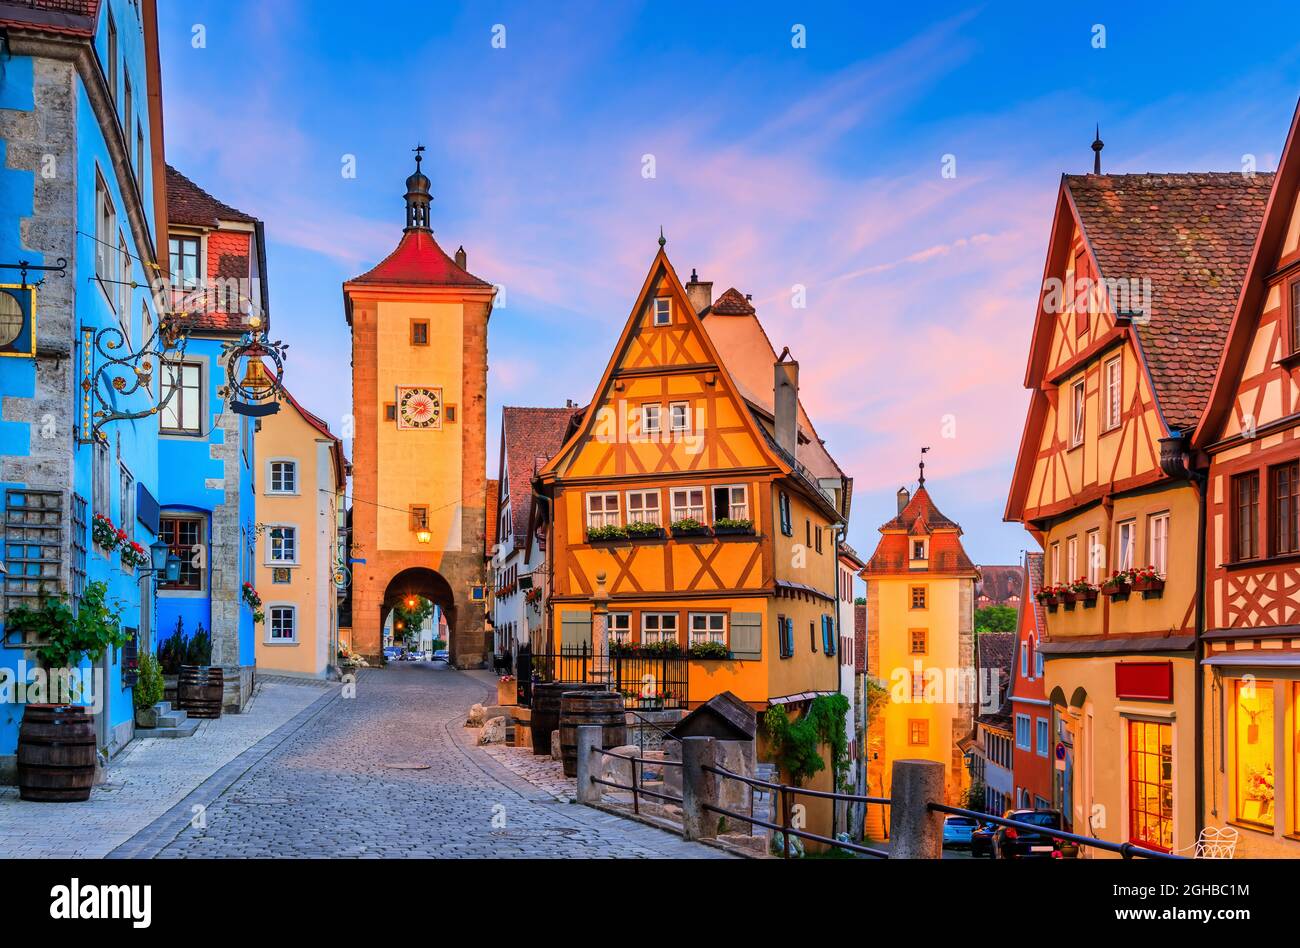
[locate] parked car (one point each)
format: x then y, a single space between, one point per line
957 830
392 652
981 839
1012 843
440 655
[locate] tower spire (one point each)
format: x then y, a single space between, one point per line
920 481
1097 146
418 196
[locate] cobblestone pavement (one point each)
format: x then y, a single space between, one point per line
541 771
147 778
391 773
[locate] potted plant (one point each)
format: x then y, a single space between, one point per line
1050 596
350 661
641 530
1148 580
507 690
134 555
606 534
148 691
726 525
619 649
171 656
689 527
104 534
708 650
1083 591
1118 584
254 602
665 648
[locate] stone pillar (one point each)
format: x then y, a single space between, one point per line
916 831
590 739
600 668
699 787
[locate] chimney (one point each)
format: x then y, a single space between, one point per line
460 257
785 402
904 497
700 294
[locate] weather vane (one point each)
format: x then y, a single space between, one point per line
921 480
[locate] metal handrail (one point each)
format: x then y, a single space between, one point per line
668 763
783 788
802 834
1127 850
636 714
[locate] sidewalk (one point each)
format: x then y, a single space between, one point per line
147 778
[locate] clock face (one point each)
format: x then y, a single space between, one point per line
12 319
419 407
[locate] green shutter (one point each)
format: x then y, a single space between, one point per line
747 635
575 628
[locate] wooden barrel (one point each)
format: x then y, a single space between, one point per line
602 708
56 753
546 709
200 691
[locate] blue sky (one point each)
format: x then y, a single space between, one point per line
775 166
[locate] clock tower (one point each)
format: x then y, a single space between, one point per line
419 393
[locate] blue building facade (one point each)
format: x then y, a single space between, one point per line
80 152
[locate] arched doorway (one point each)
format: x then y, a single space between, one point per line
421 581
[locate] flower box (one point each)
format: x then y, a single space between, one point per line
700 531
1117 591
730 531
507 692
606 534
646 532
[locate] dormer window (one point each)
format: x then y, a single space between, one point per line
920 549
663 311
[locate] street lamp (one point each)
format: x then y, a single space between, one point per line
166 564
423 536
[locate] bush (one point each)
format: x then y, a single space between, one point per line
149 682
171 650
199 650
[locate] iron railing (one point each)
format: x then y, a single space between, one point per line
1127 850
647 682
638 779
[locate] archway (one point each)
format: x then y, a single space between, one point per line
421 581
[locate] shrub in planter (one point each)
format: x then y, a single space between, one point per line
199 649
134 555
640 530
727 525
662 649
148 691
596 534
689 527
171 650
708 650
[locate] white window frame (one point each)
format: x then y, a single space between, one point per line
735 511
270 477
714 627
1027 744
620 627
1071 559
124 288
105 229
1113 374
278 607
171 374
1078 411
271 541
1096 555
685 420
1024 659
1125 543
604 517
656 634
101 487
651 418
680 512
126 500
925 548
662 312
1158 542
1038 663
1042 737
1056 563
639 511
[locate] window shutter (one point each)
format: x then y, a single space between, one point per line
575 628
747 635
828 635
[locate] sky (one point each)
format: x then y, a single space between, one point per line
899 163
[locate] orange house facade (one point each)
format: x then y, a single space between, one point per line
1250 675
1123 353
703 506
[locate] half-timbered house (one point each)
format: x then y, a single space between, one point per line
1251 654
1139 287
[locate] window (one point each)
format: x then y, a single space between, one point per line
918 641
918 597
1253 772
643 507
918 732
124 288
126 501
1038 663
390 411
141 160
708 627
730 503
1022 731
1030 648
1125 534
1077 402
1044 735
663 311
127 109
183 392
419 332
787 522
1114 393
283 625
658 627
785 634
817 539
450 413
1245 516
688 503
678 415
1294 293
184 252
282 544
828 635
1024 659
602 511
1284 504
284 477
419 515
110 67
651 418
1151 784
184 535
100 485
1072 559
1158 541
620 628
105 235
1056 563
1096 556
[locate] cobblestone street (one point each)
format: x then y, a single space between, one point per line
389 774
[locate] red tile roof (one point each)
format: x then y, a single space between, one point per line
187 203
419 261
947 555
1191 235
72 17
1000 583
1034 562
529 436
732 303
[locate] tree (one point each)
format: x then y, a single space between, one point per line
995 619
409 616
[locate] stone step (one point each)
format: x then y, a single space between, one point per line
185 729
172 718
162 707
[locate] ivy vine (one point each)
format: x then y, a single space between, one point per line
797 744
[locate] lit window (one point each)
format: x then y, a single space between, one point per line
663 311
284 477
1254 774
1151 784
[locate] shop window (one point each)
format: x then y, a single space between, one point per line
1253 770
1151 784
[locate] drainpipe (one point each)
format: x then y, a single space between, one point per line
550 562
1176 461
